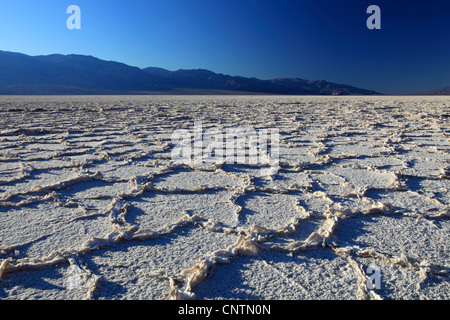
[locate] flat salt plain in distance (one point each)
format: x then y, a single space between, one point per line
92 207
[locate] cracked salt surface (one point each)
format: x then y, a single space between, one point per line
92 207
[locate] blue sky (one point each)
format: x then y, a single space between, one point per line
315 40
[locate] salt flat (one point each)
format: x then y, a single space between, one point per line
93 207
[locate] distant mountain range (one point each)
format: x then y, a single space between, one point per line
79 74
445 90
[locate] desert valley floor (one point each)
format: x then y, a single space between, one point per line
93 207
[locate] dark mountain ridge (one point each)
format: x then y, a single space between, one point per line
81 74
443 91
